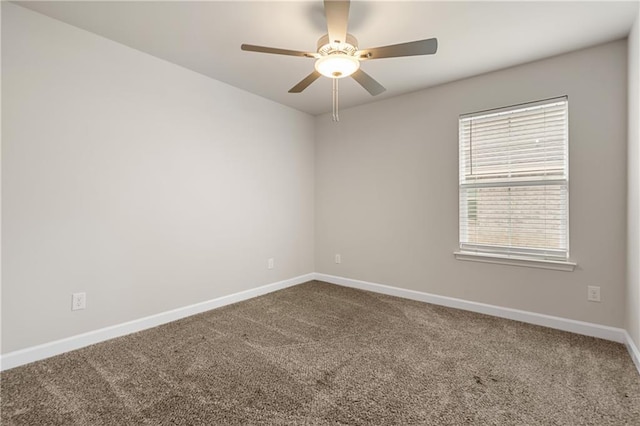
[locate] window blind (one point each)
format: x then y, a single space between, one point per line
514 177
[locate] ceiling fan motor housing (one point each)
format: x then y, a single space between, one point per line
326 47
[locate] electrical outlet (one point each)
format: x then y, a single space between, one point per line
593 293
78 301
270 263
338 258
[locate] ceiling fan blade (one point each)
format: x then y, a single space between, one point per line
412 48
368 82
337 13
263 49
305 82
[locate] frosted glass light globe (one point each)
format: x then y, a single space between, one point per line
337 65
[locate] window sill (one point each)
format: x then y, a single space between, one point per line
516 261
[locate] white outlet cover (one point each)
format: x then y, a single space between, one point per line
270 263
78 301
338 258
593 293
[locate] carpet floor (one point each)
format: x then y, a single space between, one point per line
323 354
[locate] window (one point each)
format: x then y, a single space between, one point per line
514 183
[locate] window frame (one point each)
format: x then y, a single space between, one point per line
511 255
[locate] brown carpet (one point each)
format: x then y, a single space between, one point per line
323 354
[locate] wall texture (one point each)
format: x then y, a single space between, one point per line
145 185
151 187
633 189
387 188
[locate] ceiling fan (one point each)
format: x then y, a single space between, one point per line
339 56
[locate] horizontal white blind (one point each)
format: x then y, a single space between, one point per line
514 181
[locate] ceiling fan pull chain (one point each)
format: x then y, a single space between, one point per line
335 117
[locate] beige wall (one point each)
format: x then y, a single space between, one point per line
633 219
151 187
387 194
147 186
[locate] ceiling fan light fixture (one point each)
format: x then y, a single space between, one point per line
337 65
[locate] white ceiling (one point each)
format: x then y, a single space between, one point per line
473 38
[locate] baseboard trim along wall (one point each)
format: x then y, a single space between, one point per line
579 327
633 351
46 350
36 353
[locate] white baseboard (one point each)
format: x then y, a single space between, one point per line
36 353
633 351
579 327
